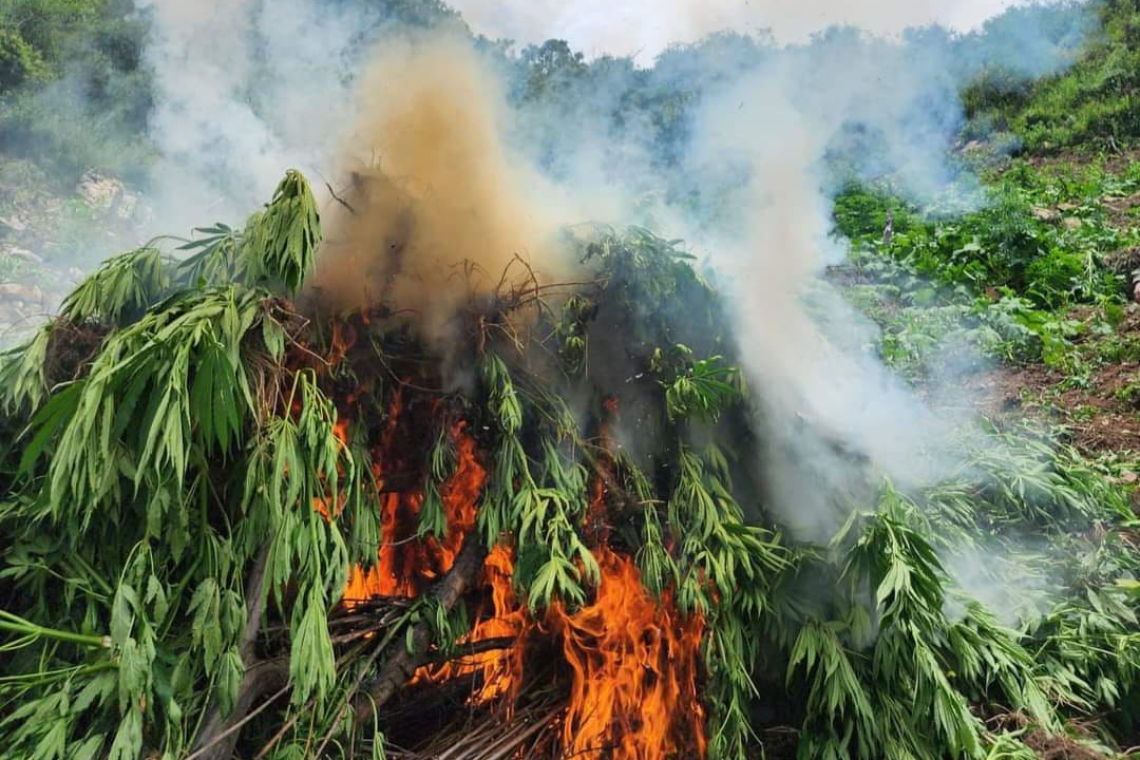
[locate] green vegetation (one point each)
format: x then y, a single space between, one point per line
182 504
164 492
74 92
1092 106
1001 280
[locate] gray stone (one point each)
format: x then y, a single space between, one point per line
13 223
25 255
14 291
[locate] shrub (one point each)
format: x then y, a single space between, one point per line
19 61
996 91
1094 101
1051 278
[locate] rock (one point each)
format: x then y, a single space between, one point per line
107 193
1122 203
1129 478
25 255
97 190
1045 214
13 223
1067 206
14 291
76 274
1136 292
1124 261
1072 223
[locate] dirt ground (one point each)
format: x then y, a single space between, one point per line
1099 416
1115 162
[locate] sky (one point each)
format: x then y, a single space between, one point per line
643 28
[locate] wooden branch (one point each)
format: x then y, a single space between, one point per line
473 648
402 666
219 734
218 740
340 200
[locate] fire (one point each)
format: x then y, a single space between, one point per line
406 563
596 526
340 430
343 338
460 495
635 662
632 660
323 504
500 671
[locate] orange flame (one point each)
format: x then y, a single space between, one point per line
633 660
405 562
323 504
460 495
636 668
596 526
343 339
500 670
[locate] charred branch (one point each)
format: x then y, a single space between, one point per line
400 668
340 200
473 648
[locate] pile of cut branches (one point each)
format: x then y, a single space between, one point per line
232 529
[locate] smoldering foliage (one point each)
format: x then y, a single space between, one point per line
451 164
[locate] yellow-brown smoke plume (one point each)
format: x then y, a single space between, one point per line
440 206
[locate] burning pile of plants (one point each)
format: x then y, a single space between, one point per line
240 523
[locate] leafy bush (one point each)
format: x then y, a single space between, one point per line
19 62
1092 105
1053 277
76 93
995 90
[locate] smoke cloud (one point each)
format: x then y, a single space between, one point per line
440 206
244 90
644 28
454 157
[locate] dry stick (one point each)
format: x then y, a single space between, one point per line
237 726
348 698
510 744
308 706
340 200
473 648
398 670
492 743
216 741
282 731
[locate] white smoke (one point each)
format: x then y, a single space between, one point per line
246 89
249 88
832 416
644 28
